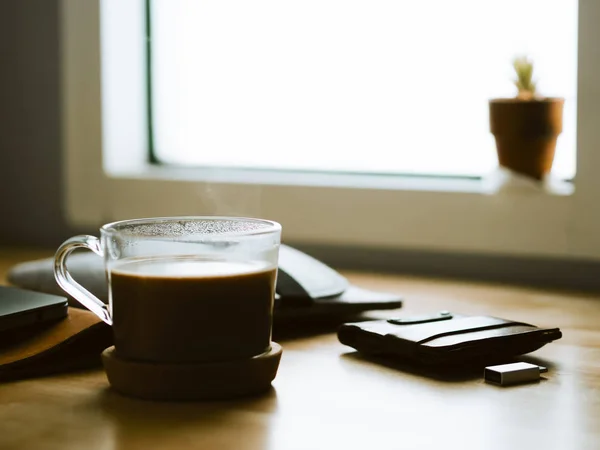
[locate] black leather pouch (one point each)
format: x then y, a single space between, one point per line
447 338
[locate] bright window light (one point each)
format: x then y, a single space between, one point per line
371 86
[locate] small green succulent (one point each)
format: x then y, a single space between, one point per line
524 68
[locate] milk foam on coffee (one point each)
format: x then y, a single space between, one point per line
190 309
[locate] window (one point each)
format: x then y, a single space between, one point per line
108 177
377 86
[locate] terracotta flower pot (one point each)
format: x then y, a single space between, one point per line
526 132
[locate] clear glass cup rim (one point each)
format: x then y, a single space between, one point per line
120 226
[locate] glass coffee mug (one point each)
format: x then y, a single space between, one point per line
183 289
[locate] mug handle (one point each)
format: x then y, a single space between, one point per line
72 287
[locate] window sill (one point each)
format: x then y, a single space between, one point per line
392 212
387 182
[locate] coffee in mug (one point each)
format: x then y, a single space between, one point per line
183 289
185 308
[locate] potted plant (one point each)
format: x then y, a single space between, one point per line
527 127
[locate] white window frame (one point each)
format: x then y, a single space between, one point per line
107 176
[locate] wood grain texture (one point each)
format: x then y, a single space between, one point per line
327 397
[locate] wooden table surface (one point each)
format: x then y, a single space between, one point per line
325 397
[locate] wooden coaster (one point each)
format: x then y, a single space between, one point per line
206 381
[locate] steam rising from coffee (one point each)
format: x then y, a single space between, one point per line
221 199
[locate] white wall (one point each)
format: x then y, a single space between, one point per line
30 141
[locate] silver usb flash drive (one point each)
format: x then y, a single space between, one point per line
515 373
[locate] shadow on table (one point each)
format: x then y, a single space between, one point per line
309 327
139 422
446 373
